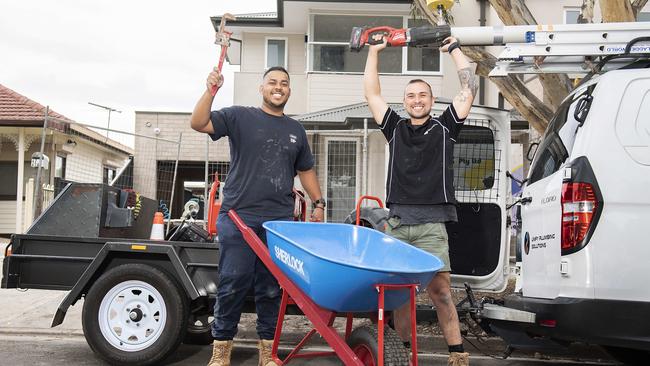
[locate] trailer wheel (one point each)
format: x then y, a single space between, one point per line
199 329
363 342
134 314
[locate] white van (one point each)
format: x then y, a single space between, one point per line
584 209
585 262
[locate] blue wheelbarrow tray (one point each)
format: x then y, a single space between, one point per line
338 265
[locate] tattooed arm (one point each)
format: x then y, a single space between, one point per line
371 88
468 83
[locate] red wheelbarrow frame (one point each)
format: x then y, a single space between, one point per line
321 319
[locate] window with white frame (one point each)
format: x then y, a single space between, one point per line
276 52
329 50
109 174
59 166
571 15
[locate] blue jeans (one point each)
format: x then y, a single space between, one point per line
240 270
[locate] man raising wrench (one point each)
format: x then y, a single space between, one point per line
267 150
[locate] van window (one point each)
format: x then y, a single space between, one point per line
558 139
474 159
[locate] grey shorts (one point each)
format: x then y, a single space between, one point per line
430 237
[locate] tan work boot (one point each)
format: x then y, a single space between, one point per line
221 351
458 359
265 348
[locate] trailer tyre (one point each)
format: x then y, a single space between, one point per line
134 314
364 343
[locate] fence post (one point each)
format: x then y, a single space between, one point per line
207 180
38 198
171 200
28 213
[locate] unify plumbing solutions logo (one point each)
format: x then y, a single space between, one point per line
291 261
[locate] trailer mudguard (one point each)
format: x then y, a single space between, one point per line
136 250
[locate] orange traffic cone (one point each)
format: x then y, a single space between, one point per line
158 227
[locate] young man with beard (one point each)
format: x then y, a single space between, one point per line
419 188
267 150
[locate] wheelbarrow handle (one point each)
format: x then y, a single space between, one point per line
372 198
317 315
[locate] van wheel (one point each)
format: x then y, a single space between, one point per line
134 314
199 329
628 356
363 342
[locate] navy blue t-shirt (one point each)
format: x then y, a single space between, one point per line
266 151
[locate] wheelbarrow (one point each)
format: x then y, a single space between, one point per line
332 269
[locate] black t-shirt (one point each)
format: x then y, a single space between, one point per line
420 170
266 152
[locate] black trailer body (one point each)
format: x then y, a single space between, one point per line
74 264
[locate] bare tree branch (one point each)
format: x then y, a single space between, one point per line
587 12
637 5
617 11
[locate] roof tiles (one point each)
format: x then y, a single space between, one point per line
15 107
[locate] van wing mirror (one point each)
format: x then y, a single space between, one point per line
532 150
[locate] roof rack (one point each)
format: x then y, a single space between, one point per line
564 48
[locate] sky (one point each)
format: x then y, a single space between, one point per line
129 55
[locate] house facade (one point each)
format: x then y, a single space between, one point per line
310 39
71 152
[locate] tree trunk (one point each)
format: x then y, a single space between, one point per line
535 111
617 11
555 86
422 9
515 12
587 12
513 90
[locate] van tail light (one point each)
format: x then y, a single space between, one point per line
579 204
582 204
8 251
548 323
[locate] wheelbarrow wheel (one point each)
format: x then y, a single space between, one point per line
199 329
364 343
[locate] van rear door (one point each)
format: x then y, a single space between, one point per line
479 241
541 203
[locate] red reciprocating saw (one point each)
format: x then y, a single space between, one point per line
418 36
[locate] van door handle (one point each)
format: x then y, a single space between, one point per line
526 200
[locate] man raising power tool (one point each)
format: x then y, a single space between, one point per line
419 187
